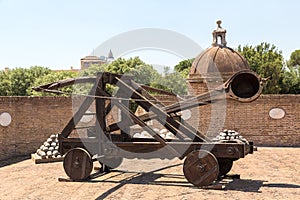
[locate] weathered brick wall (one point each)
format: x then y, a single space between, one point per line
250 119
253 121
264 130
34 119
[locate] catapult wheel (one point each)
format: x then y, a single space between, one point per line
109 163
200 168
225 166
78 164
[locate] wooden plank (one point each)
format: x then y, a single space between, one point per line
159 91
69 143
220 150
100 103
217 186
64 83
38 160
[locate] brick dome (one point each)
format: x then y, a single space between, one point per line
218 62
218 59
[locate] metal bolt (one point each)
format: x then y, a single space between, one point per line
76 164
230 150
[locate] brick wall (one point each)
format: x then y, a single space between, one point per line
34 119
250 119
253 121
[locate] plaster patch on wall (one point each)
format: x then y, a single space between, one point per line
186 114
277 113
5 119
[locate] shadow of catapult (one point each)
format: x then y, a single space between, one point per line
147 178
249 185
156 178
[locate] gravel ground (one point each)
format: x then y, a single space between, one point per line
270 173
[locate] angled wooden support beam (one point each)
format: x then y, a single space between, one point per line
81 110
162 116
146 128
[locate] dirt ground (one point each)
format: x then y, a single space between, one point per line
270 173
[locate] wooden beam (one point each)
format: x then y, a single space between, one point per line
162 116
80 112
156 136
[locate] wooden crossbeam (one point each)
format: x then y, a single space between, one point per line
162 116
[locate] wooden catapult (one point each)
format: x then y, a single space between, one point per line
205 158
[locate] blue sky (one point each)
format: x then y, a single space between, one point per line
57 33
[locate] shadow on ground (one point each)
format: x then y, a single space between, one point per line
249 185
13 160
156 178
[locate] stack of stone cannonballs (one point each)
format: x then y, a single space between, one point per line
50 148
229 135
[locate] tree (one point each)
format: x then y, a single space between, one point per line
15 82
171 81
291 78
294 59
267 61
183 67
141 72
144 74
4 84
52 77
291 81
93 69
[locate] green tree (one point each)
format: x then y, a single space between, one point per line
141 72
294 59
144 74
291 78
171 81
267 61
291 81
52 77
15 82
5 84
183 67
93 70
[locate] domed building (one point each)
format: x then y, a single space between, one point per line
215 65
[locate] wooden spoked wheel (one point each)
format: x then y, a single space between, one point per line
200 168
78 164
225 166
